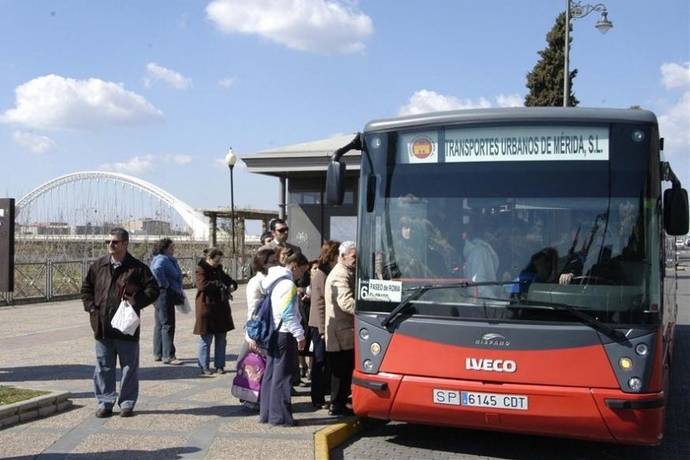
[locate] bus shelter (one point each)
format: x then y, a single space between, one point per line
301 172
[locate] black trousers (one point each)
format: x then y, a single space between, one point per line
320 370
275 406
342 365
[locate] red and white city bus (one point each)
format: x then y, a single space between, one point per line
511 271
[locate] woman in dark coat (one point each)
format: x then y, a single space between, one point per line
213 315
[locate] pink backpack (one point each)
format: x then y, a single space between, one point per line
247 382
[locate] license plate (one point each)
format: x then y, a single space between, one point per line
475 399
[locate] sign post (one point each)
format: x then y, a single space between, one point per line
6 244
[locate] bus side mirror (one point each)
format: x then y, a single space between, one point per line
676 211
335 183
371 192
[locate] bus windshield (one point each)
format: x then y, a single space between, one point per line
509 237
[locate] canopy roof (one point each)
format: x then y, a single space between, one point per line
308 157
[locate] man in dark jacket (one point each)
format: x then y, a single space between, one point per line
279 233
111 279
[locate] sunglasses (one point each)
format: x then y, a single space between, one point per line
113 242
282 230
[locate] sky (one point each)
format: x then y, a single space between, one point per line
161 89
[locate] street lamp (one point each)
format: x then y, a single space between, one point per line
576 10
230 160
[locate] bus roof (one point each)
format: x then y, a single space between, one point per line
514 114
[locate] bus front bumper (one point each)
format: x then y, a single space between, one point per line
598 414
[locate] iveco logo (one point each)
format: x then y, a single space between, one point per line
492 340
491 365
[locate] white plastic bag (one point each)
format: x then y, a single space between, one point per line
184 307
126 319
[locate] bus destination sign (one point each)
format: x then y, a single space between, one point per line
515 143
529 143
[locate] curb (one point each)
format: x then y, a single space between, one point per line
34 408
333 435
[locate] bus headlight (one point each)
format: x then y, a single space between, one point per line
641 349
635 384
375 348
625 363
364 334
368 365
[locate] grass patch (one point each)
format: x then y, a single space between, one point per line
9 395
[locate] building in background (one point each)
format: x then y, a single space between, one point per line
147 226
44 228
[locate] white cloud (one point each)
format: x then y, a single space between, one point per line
424 101
674 124
674 121
145 163
226 82
137 165
52 101
321 26
157 72
675 75
511 100
34 142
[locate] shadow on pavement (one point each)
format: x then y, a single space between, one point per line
169 453
217 411
487 444
318 421
83 371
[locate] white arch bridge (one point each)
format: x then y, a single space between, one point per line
105 197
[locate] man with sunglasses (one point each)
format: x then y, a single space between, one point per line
111 279
279 231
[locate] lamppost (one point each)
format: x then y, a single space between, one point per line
576 10
230 160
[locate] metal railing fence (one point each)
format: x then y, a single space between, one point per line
58 280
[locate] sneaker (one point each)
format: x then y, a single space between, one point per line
126 412
157 358
220 371
206 371
102 412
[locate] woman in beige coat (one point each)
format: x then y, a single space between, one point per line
340 326
320 370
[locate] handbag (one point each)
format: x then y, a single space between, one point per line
125 319
177 297
246 386
184 307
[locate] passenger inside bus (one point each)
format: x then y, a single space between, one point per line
481 260
416 254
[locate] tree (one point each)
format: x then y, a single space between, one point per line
545 81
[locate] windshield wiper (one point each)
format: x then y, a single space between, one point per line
583 317
418 291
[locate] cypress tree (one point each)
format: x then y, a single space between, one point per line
545 81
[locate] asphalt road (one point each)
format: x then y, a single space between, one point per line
410 441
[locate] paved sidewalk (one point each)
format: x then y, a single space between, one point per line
180 414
